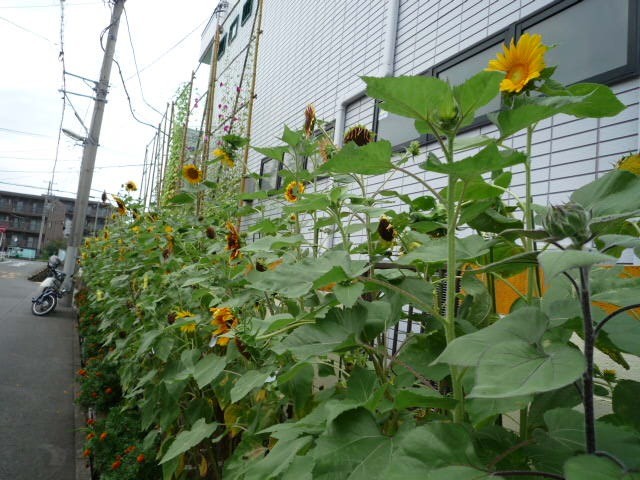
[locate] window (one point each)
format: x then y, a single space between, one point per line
222 46
590 39
247 9
269 174
233 30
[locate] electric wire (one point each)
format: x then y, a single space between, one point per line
27 30
22 132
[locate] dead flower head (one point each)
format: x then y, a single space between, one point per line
233 240
360 135
385 229
309 120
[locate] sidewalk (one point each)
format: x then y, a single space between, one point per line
39 360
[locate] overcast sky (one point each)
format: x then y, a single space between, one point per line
31 77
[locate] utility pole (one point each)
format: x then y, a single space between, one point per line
91 143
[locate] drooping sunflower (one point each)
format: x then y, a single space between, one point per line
309 120
359 134
327 149
233 240
630 163
188 327
122 208
522 62
293 191
130 186
385 229
225 321
225 157
192 174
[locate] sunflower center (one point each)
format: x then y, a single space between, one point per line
517 74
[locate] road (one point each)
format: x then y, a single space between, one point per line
36 382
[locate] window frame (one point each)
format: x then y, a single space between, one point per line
233 29
246 16
222 46
276 179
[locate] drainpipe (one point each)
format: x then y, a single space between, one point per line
386 68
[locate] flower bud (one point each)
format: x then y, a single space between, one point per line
570 220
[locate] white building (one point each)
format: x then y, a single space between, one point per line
315 52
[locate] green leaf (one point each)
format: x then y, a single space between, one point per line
371 159
613 193
276 153
598 101
247 382
417 357
477 91
348 295
273 242
290 137
486 160
526 324
182 198
278 460
458 473
297 384
353 448
595 468
414 97
517 368
481 409
189 438
625 402
554 263
422 397
467 143
208 369
624 241
435 250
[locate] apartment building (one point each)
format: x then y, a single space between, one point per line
21 217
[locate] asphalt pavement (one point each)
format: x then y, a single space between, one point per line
37 369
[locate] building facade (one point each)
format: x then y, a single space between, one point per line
22 216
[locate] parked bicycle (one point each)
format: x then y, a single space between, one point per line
51 290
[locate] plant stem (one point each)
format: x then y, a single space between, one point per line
587 377
526 473
450 318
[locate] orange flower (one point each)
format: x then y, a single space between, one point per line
108 390
233 240
103 436
82 372
116 465
91 436
90 421
293 191
140 458
129 449
86 453
225 320
522 62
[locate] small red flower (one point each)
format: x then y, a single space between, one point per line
116 465
129 449
108 390
91 435
94 394
140 458
103 435
90 421
82 372
86 453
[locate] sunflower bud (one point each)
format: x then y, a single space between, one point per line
570 220
385 229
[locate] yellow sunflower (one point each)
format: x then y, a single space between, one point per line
188 327
293 191
224 157
130 186
630 163
522 62
122 208
224 320
192 174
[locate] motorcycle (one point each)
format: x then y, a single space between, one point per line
47 301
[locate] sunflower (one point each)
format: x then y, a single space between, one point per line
188 327
360 135
130 186
309 120
233 241
630 163
224 156
522 62
224 320
122 208
385 229
192 174
183 314
293 191
327 149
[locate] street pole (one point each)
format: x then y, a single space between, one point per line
91 143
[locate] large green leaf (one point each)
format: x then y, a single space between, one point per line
275 242
278 460
488 159
481 409
517 368
625 402
435 250
554 263
416 97
476 92
349 294
422 397
591 467
598 101
526 325
247 382
297 384
352 448
417 357
189 438
276 153
371 159
613 193
208 369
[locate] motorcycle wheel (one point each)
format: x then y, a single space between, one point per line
44 305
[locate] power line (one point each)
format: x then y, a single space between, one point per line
135 62
46 6
21 132
44 188
27 30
